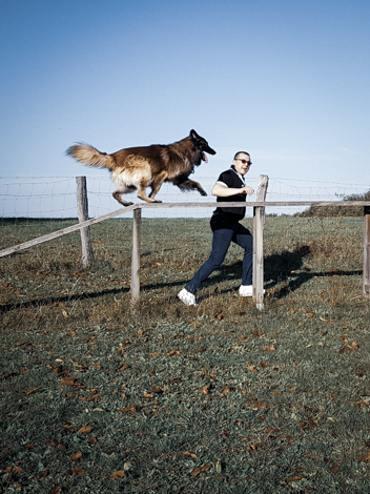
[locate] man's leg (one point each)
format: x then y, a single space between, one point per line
220 244
244 239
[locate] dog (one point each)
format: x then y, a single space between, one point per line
137 168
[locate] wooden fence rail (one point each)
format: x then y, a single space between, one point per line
121 211
258 222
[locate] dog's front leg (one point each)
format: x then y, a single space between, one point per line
191 185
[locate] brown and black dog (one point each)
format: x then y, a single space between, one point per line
137 168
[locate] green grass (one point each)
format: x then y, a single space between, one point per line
219 398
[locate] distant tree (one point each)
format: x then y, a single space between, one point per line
338 210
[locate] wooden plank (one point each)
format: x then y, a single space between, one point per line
253 204
83 215
135 259
258 224
118 212
366 269
65 231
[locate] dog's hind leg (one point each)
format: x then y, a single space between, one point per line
118 197
141 193
157 184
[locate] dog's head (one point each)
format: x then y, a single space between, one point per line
202 146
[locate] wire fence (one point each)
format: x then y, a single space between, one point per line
55 197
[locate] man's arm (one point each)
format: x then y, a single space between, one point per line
222 190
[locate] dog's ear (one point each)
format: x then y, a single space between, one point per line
194 135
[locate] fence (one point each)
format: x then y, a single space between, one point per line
258 206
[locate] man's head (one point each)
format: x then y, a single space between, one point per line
242 162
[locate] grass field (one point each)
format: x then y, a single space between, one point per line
219 398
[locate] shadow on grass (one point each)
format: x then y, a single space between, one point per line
285 266
289 266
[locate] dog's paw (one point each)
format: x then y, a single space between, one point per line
203 193
157 201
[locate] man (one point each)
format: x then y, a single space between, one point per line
230 187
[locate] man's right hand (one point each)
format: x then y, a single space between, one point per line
247 190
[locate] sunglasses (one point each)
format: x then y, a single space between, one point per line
245 162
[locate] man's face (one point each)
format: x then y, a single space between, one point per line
242 163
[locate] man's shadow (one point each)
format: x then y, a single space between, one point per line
286 266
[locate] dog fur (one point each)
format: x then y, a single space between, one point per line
137 168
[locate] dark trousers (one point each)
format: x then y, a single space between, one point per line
222 238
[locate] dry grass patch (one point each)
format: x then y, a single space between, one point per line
100 397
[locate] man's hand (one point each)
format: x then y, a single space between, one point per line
247 190
222 190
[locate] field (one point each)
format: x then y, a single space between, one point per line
98 397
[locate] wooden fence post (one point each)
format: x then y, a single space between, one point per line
366 270
258 224
83 215
135 259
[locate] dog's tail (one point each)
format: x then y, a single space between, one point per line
90 156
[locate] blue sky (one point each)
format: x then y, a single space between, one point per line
289 81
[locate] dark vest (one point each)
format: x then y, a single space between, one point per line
224 216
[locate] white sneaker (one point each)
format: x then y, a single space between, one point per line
186 297
246 290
